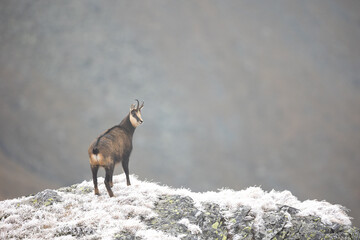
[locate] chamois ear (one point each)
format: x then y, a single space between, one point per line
137 106
132 107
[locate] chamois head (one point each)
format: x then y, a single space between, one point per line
135 114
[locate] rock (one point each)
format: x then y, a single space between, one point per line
280 224
76 231
45 198
76 190
171 209
125 236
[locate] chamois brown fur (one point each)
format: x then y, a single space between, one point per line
114 146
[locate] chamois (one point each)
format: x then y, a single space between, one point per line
114 146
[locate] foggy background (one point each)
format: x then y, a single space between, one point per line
237 93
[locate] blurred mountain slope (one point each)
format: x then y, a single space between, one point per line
17 180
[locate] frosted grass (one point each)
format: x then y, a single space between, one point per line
104 217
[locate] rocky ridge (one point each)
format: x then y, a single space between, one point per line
147 210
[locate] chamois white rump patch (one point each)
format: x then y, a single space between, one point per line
96 158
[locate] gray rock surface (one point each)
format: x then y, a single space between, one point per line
281 224
45 198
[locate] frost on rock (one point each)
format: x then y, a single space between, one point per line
46 198
147 210
178 216
75 231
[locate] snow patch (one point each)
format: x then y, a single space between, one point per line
194 229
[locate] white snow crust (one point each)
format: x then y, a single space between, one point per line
194 229
108 216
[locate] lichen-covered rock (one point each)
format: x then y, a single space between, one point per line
76 189
126 236
171 210
45 198
178 217
75 231
241 224
210 222
313 228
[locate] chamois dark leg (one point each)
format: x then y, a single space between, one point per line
94 170
111 175
125 165
107 181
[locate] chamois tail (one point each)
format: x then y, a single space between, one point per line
95 150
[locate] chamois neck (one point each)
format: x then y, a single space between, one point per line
126 124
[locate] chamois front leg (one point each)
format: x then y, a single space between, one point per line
94 170
125 165
108 172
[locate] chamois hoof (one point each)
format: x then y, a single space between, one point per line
97 192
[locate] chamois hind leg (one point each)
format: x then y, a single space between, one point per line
111 175
108 172
125 165
94 170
